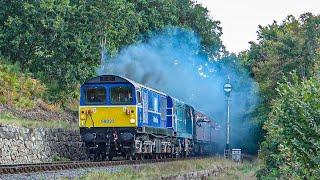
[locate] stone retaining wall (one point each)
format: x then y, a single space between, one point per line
22 145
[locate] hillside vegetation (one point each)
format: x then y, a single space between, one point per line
18 89
285 63
22 101
292 144
58 41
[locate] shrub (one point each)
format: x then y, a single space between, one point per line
57 158
18 89
292 146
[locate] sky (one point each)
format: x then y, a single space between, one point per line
240 18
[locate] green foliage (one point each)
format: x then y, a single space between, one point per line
289 106
51 39
17 89
58 41
282 48
156 15
292 146
290 46
57 158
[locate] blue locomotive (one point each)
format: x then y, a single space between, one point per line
120 117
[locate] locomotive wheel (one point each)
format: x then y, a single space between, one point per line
184 154
148 156
129 157
110 157
100 154
138 156
103 156
157 157
96 156
112 151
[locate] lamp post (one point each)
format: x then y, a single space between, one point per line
227 89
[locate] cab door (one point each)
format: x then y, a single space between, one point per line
140 107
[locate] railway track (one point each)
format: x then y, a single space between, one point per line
57 166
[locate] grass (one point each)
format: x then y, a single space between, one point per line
242 172
9 119
57 158
245 170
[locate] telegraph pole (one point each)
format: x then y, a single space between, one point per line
227 89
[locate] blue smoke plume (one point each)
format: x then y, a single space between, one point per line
172 61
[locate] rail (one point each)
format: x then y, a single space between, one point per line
57 166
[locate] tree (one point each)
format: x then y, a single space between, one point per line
291 149
58 41
292 45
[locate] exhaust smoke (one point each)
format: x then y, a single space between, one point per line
173 61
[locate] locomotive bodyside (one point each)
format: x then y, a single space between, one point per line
119 117
183 119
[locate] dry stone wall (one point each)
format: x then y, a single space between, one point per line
22 145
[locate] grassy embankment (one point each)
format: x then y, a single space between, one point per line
9 119
245 170
22 93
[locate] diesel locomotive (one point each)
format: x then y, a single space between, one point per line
120 117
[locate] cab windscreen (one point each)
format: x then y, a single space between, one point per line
121 95
95 95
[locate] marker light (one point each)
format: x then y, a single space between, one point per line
89 111
132 121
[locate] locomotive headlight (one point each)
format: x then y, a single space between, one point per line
132 121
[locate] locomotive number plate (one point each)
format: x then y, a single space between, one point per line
107 121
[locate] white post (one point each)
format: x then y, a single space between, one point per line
227 89
228 122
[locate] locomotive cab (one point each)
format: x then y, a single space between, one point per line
108 105
108 115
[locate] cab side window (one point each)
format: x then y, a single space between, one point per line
139 97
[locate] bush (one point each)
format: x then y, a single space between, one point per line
292 146
18 89
57 158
